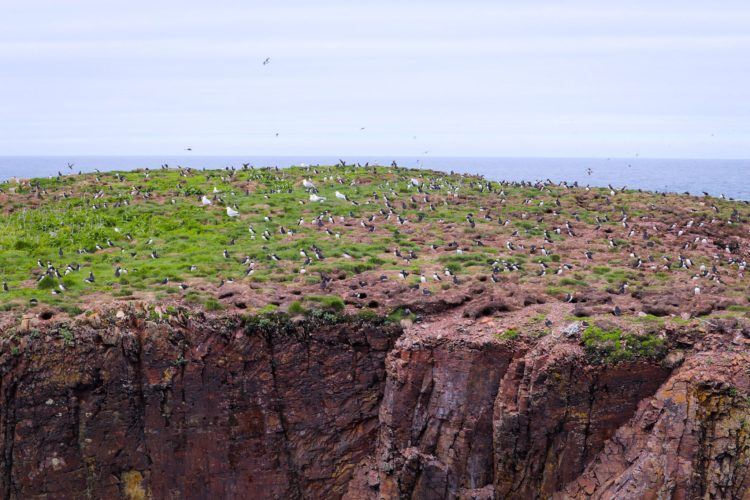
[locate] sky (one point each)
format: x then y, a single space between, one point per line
661 79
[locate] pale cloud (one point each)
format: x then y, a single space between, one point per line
471 78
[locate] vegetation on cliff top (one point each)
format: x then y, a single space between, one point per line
167 235
614 346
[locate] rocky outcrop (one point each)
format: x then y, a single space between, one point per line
210 409
437 416
690 440
462 420
555 411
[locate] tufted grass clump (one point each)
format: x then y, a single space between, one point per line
296 307
400 313
604 346
327 302
509 334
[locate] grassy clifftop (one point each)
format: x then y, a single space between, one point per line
72 241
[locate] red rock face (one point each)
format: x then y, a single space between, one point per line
471 421
207 411
554 412
436 418
213 409
690 440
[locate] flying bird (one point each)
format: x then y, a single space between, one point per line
266 61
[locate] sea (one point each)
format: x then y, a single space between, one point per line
730 178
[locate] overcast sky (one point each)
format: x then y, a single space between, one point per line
469 78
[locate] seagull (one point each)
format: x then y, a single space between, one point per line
308 184
232 213
314 197
205 200
341 196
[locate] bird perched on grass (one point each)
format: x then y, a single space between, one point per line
232 212
315 198
205 200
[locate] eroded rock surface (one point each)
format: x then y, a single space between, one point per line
221 407
208 410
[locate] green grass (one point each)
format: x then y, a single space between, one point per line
296 307
614 346
509 334
400 313
128 226
327 302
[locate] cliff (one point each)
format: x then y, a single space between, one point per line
210 408
328 406
369 332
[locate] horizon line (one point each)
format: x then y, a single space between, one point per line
419 157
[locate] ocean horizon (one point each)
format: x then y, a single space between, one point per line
717 177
